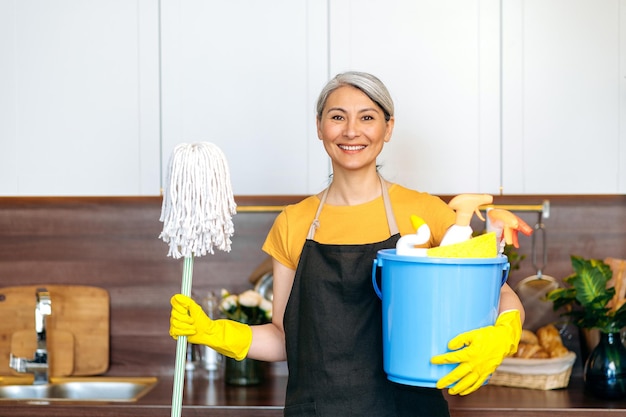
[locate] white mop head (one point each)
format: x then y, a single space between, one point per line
198 202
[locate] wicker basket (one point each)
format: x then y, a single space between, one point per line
544 374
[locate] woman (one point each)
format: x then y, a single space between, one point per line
326 317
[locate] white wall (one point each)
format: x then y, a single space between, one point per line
79 109
528 98
245 75
441 62
564 97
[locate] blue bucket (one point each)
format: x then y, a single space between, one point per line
428 301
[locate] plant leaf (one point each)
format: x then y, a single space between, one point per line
587 297
590 284
561 297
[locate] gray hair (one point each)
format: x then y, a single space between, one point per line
367 83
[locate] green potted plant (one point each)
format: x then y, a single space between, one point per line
592 302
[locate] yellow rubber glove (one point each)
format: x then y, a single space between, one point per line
483 352
228 337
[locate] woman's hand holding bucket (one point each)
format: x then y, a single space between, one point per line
479 352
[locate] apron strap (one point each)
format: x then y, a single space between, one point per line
316 221
391 220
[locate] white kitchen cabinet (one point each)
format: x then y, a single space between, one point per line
440 61
79 97
527 96
245 75
564 96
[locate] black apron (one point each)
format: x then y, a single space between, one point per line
333 332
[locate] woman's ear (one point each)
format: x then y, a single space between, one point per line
389 131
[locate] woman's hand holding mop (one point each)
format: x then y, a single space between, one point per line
228 337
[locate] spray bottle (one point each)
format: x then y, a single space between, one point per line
465 206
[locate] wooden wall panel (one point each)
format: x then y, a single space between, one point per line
113 243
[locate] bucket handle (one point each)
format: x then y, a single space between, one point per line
374 282
505 272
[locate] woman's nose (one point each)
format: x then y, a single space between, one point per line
351 129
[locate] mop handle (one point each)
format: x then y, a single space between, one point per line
181 345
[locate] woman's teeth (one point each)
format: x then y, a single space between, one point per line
352 147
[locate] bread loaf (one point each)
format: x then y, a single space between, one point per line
550 340
546 343
531 351
529 337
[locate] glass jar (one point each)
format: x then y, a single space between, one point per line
243 373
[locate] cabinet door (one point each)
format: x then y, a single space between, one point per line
564 97
245 75
79 97
440 61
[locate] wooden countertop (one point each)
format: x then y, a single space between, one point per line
204 397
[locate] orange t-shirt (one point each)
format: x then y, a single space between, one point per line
353 225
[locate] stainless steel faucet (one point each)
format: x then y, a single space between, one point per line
39 364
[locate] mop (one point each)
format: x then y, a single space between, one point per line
197 211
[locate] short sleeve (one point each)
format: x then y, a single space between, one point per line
276 241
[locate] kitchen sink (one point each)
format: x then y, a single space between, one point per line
95 389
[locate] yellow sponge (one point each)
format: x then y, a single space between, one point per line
483 246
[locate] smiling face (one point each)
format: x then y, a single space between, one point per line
353 129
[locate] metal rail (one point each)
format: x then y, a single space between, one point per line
543 209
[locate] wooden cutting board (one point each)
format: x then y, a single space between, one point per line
78 310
